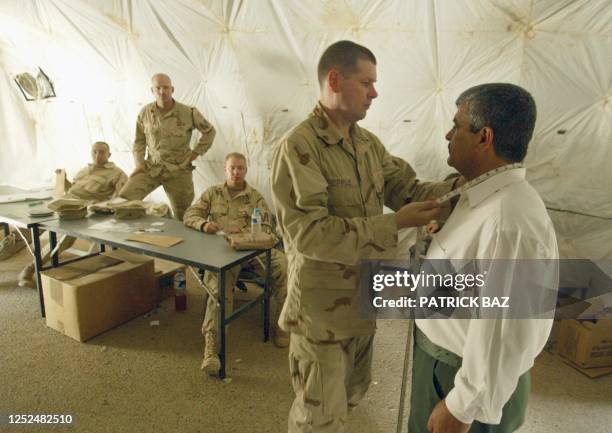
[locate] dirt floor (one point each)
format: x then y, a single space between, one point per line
144 378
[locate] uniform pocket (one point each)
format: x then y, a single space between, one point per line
244 211
218 210
443 378
343 197
436 383
318 377
306 382
379 183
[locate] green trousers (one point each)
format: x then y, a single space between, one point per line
433 379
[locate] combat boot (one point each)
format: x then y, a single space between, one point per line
211 363
280 338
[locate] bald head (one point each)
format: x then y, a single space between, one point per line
161 87
100 152
160 76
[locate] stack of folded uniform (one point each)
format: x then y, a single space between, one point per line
101 208
130 209
69 208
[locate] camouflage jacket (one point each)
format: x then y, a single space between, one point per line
329 195
165 139
98 183
217 205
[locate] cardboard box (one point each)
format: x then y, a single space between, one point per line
164 270
90 296
592 373
585 343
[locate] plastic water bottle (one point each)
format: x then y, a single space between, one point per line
180 297
256 222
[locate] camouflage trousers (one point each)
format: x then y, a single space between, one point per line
178 186
329 380
279 288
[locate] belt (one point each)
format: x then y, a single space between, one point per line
436 351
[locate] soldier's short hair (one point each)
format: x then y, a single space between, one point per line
342 56
506 108
102 142
236 155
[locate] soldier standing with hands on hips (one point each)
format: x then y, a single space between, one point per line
163 133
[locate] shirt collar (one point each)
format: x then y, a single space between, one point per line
247 190
481 191
327 131
155 110
107 165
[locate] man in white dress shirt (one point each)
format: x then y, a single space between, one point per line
472 375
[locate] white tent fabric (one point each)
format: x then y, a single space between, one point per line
249 67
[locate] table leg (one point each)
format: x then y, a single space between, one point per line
200 276
266 303
221 288
37 266
52 245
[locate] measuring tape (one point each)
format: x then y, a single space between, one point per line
433 225
463 188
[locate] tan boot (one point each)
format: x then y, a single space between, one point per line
11 245
26 277
280 338
211 363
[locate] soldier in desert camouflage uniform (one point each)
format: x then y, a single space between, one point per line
99 181
163 133
330 180
228 207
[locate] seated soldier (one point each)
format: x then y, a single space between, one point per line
99 181
228 207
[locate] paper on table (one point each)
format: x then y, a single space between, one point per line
13 198
157 240
113 226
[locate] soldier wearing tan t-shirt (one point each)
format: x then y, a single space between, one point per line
161 148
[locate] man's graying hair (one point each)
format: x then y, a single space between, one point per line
506 108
